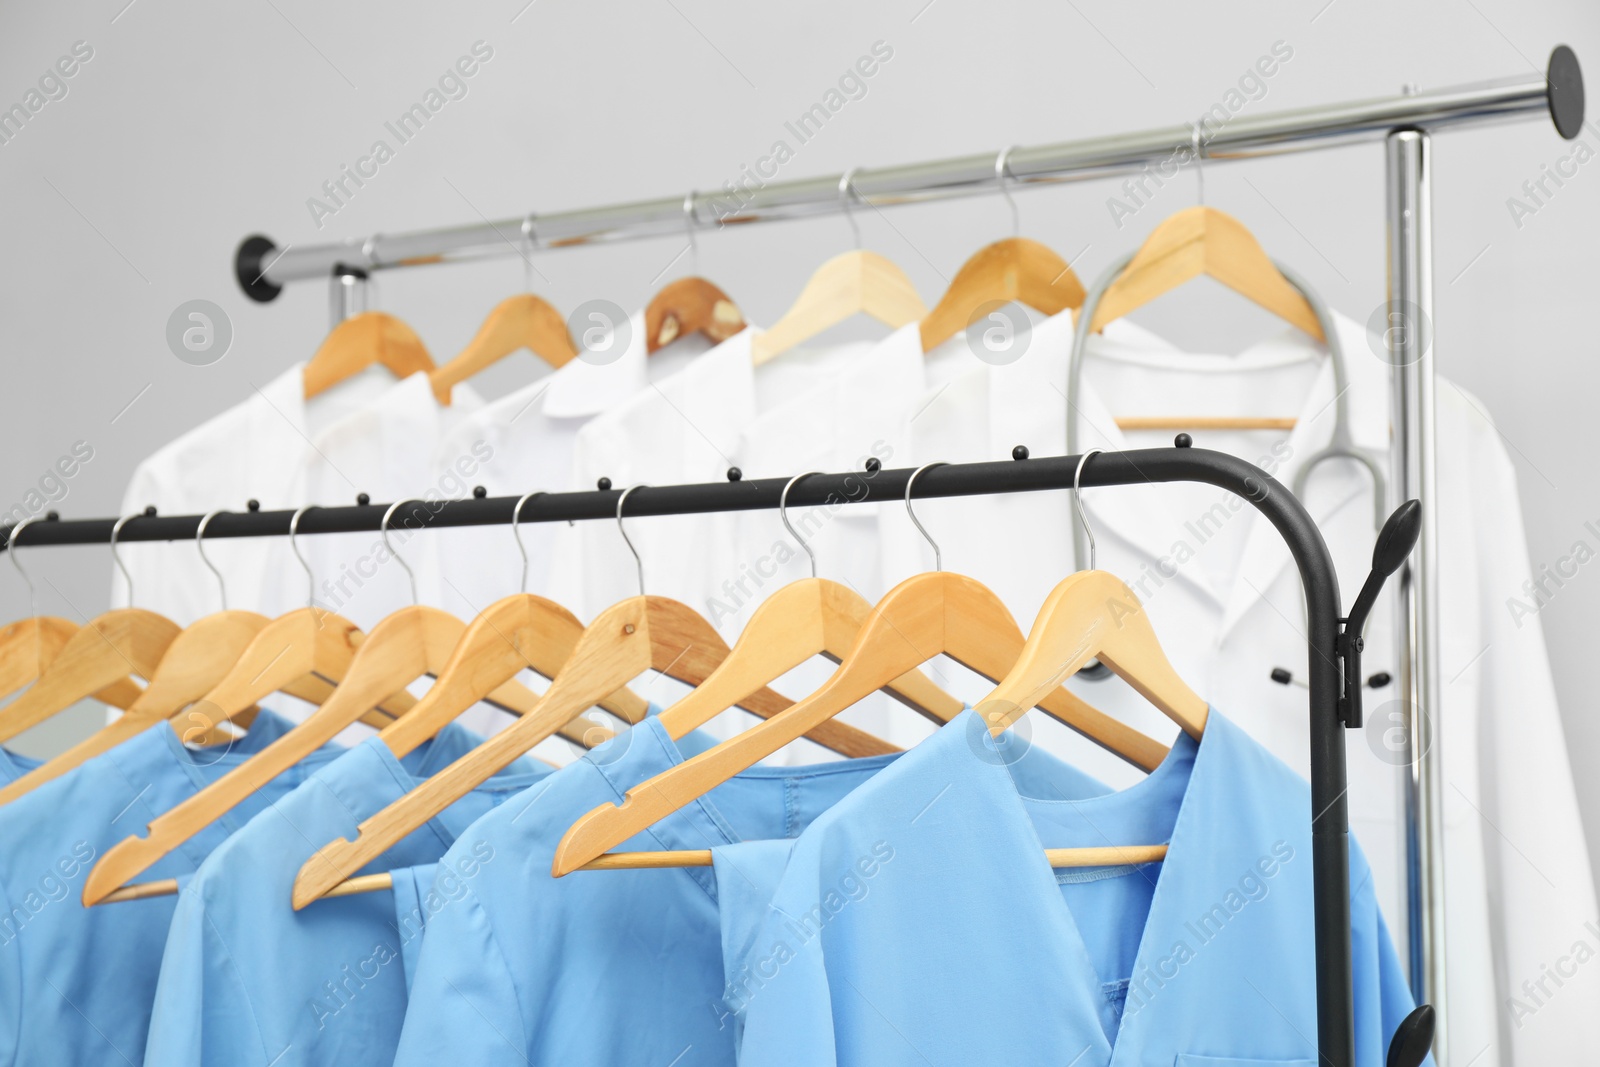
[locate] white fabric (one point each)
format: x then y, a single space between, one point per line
1519 888
385 449
253 449
524 442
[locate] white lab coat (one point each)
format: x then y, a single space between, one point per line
251 450
1227 604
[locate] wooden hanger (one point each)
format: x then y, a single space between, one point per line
918 619
690 305
923 616
112 647
639 634
856 282
412 642
29 645
1203 240
1015 269
807 618
359 342
1093 615
1196 241
851 283
197 658
524 321
415 641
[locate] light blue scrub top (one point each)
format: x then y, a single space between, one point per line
76 983
918 922
14 765
246 979
607 967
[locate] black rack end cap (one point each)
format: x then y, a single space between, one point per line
1412 1038
1019 453
1183 440
249 266
603 484
1281 676
479 492
1397 538
362 500
734 474
1564 77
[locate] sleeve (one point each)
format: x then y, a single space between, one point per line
202 1011
463 1006
11 983
1540 885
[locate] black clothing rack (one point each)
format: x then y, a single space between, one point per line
1333 640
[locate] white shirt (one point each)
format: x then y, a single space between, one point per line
1519 889
524 442
384 449
251 450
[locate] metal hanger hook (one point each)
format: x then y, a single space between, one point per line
369 251
690 221
11 549
1003 175
529 239
938 557
200 547
1077 501
116 557
847 195
294 546
516 531
783 514
637 562
1197 148
383 531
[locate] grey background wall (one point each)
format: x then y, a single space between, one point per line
193 124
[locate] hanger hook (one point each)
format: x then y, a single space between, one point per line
689 222
1003 175
11 547
383 531
783 514
516 531
637 562
294 546
847 195
529 240
1077 501
116 557
200 547
369 251
1198 149
938 557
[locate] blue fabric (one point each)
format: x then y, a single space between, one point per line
14 765
412 906
935 869
246 979
613 967
76 983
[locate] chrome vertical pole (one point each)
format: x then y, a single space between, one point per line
347 294
1409 336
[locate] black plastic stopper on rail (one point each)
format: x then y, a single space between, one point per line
1565 99
250 267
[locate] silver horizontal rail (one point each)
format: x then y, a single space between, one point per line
263 268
